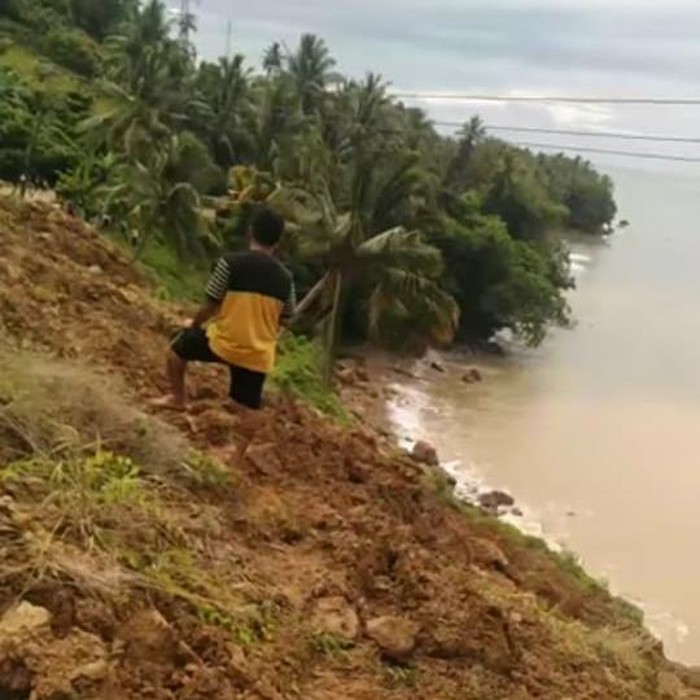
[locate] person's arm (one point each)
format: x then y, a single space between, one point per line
289 306
215 292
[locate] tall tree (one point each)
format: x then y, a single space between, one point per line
310 66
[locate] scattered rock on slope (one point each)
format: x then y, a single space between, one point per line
472 376
395 636
23 621
425 453
493 500
335 616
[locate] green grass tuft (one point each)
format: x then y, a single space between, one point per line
299 372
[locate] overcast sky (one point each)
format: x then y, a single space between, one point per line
647 48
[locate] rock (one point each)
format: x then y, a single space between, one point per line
24 620
93 671
147 635
403 372
362 374
437 367
424 453
264 457
358 472
346 376
472 376
488 553
493 500
395 636
336 617
670 687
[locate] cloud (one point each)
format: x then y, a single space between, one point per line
570 47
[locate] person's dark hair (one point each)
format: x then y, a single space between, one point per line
266 227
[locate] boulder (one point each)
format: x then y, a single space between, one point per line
472 376
424 453
362 374
670 687
346 376
493 500
264 457
489 554
24 620
395 636
335 616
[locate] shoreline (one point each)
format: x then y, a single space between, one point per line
382 392
377 389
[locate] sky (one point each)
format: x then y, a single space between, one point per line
616 48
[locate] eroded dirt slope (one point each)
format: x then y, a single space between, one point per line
286 558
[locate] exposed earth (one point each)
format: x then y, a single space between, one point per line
273 556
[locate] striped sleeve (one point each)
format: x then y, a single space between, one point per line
219 281
291 303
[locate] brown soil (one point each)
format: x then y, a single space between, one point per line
218 592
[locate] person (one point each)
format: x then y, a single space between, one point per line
249 296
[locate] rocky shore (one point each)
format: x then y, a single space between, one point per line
372 386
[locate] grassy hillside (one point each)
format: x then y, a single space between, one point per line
271 556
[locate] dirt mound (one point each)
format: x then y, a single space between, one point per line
268 557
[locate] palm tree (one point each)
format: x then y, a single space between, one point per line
311 67
272 59
470 136
224 88
395 269
141 193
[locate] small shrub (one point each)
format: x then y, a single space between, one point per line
202 469
401 676
329 645
74 50
299 372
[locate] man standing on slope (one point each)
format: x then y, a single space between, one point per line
249 296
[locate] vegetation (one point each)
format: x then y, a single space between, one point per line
395 231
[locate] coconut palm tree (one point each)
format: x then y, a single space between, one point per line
311 67
143 194
225 89
394 269
470 136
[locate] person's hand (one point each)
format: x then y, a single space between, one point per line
187 322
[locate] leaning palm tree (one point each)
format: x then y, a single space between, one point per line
395 269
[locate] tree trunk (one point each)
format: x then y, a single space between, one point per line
312 295
332 327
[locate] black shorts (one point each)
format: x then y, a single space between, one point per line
192 345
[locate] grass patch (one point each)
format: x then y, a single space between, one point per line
299 372
248 625
329 645
401 676
174 279
55 411
39 73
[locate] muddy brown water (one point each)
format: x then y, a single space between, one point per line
597 433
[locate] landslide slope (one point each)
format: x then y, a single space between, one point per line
222 555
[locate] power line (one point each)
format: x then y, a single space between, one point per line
606 151
573 132
531 98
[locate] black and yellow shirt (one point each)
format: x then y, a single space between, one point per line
255 292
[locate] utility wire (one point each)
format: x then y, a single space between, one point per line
686 101
631 154
573 132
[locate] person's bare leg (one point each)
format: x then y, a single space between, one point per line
176 368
